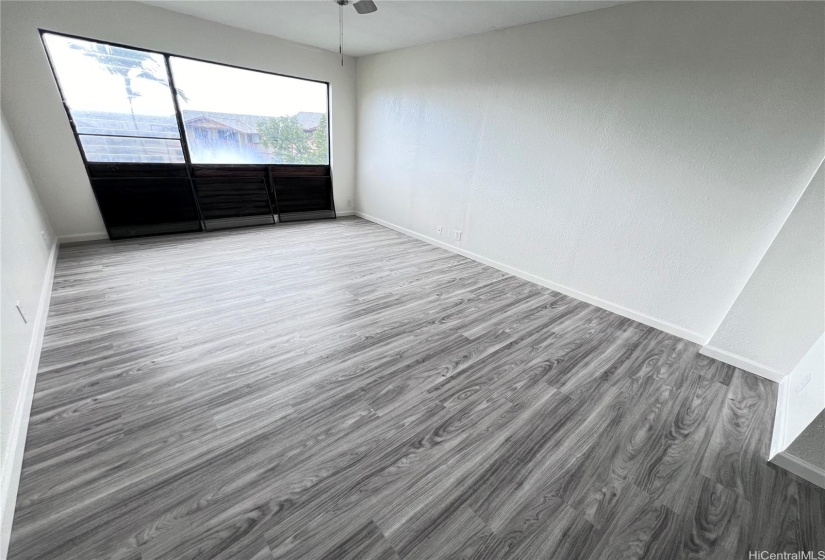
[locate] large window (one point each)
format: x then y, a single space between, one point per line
171 144
238 116
122 105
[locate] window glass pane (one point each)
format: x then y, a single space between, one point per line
240 116
131 150
113 90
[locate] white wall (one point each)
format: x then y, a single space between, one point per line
806 391
801 398
38 121
781 310
641 157
26 269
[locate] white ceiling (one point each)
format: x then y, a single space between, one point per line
396 24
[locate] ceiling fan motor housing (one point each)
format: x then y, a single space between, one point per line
361 6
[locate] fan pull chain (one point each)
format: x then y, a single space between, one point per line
341 31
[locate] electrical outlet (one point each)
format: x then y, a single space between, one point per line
349 203
438 229
457 235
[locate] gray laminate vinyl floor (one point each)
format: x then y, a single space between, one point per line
338 390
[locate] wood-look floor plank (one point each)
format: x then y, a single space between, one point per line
718 526
738 451
336 390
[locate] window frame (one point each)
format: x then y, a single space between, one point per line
178 114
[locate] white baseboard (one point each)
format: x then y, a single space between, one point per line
800 468
345 213
598 302
12 463
79 237
743 363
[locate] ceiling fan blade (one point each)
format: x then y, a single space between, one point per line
365 6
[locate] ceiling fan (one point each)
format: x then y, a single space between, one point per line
362 7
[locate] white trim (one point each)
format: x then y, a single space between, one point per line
743 363
800 468
778 439
78 237
345 213
598 302
13 462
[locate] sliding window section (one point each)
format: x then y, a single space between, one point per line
232 196
303 192
122 112
258 140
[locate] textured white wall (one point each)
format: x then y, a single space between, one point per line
24 263
781 310
801 397
645 154
39 123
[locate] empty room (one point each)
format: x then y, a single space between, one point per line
412 280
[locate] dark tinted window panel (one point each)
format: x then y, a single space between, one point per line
300 171
251 171
137 170
303 194
133 202
232 198
131 150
